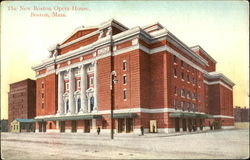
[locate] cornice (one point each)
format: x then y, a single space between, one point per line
204 52
214 75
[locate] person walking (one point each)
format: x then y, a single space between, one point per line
142 130
98 130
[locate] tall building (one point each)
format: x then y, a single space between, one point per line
145 74
22 100
241 114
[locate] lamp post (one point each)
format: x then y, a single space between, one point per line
113 80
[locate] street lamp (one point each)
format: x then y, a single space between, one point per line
113 80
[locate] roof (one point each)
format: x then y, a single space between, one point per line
24 120
204 52
214 75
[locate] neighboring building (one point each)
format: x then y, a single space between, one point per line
159 83
241 114
4 125
22 100
23 125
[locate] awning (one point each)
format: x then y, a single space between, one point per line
65 118
124 115
25 120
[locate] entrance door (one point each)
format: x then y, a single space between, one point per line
62 126
87 126
177 127
73 126
129 125
43 126
121 125
40 126
184 125
153 126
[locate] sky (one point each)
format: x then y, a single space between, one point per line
221 28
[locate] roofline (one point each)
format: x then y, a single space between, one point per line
204 52
213 75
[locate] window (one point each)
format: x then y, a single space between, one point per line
91 81
193 81
50 125
182 64
175 90
188 94
199 98
124 65
78 104
175 59
175 72
182 93
67 86
42 105
124 94
194 107
79 83
188 106
192 69
42 95
175 103
42 85
199 84
124 79
188 79
187 67
182 75
182 105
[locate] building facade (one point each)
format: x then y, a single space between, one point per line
241 114
22 100
145 75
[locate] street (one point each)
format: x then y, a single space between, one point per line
220 144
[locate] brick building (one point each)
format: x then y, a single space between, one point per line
22 100
156 81
241 114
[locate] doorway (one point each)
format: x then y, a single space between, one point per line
184 124
73 126
62 126
153 126
177 126
121 125
87 124
129 125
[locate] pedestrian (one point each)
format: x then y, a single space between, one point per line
142 130
98 130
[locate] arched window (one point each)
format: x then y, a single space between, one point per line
67 105
78 104
92 103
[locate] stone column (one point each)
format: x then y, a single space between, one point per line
60 109
96 87
71 90
83 73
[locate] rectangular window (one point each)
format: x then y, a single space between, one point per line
42 95
188 94
175 103
182 105
187 67
78 83
42 85
124 94
124 79
175 72
194 107
192 69
188 79
193 80
182 75
175 90
124 65
182 64
42 105
175 59
91 81
67 86
182 93
188 106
